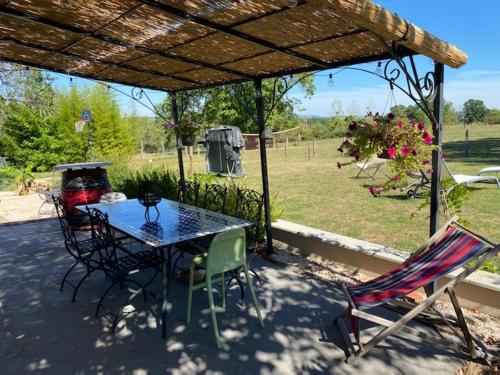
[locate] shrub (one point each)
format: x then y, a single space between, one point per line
128 181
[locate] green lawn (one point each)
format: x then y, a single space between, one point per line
315 193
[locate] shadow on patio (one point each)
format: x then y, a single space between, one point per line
43 332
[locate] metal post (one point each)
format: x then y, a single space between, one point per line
259 104
437 127
175 116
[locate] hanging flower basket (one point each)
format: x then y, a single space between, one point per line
188 139
187 131
406 144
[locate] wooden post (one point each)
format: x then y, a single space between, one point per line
308 151
314 146
164 150
190 151
286 146
300 140
466 142
274 142
197 149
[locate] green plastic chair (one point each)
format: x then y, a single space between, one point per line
227 252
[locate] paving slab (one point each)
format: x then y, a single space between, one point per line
44 333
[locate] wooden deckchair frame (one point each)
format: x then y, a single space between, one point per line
469 344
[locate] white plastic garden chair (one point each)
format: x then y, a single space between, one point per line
469 179
372 163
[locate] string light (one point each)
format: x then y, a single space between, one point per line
379 68
331 83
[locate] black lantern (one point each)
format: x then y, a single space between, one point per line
149 196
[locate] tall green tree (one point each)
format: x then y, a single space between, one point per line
474 110
28 134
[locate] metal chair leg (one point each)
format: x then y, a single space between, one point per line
80 284
67 274
102 298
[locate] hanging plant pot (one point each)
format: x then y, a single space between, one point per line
188 139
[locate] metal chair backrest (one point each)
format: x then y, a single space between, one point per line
68 233
215 197
249 206
227 251
102 235
192 193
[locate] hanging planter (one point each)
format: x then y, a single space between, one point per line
186 131
188 139
406 144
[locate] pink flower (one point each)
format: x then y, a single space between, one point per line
405 151
391 151
374 125
425 162
421 126
429 171
428 139
414 152
390 116
399 123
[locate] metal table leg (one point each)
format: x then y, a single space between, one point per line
165 272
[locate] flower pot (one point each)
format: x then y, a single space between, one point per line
188 139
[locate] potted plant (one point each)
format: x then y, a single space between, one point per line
406 144
187 131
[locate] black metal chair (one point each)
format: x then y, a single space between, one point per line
119 264
214 198
81 250
192 193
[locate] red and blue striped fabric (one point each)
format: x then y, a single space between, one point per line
455 249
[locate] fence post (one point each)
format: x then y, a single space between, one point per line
466 142
314 146
308 151
286 146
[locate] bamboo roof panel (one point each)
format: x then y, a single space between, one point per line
188 44
219 48
88 14
11 28
160 64
13 52
299 25
74 65
227 12
267 63
165 83
145 26
105 51
206 76
335 50
124 75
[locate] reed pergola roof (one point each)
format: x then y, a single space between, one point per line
176 45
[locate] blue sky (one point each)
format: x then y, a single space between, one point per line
471 26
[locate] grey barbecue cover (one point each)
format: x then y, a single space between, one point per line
224 151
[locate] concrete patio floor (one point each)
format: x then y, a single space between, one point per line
43 332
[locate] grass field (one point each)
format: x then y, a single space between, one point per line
315 193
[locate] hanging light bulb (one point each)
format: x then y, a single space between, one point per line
331 82
379 68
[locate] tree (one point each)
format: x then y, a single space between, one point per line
493 116
28 134
474 110
226 105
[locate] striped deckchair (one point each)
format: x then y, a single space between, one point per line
452 247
